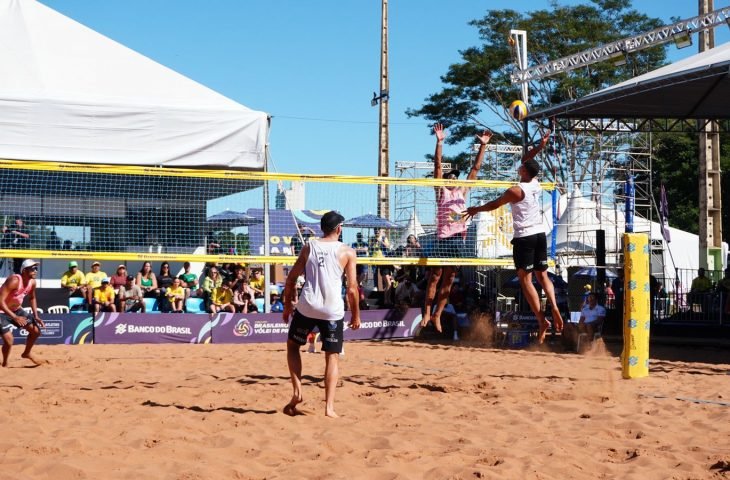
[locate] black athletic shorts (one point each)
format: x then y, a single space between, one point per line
530 253
330 331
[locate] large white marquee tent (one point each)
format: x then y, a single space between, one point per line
70 94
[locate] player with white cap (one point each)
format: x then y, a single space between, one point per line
12 294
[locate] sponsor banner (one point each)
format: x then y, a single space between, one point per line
159 328
64 328
270 328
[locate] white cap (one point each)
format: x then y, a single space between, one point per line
27 264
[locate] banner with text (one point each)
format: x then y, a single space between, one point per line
63 328
270 328
161 328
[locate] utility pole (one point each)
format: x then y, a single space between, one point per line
383 147
709 175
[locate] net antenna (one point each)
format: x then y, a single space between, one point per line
518 42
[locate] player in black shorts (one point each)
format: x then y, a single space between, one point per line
529 244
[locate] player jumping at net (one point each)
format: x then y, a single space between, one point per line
450 227
322 261
529 245
12 293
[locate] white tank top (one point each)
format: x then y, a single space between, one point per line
526 216
321 297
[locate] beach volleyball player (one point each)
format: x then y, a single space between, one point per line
323 261
12 294
450 227
529 245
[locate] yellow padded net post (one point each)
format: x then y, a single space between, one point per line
636 314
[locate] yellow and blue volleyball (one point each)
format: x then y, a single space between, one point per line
518 110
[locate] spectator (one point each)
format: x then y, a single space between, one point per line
244 303
276 304
242 287
257 283
412 249
211 281
189 282
93 281
104 297
147 281
587 289
68 245
131 297
406 291
591 320
175 295
74 281
301 237
239 275
222 298
164 281
700 288
19 238
361 250
610 296
214 247
53 242
119 279
379 247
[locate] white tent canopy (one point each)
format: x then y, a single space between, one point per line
413 227
70 94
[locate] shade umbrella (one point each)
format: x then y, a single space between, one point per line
233 218
592 272
370 221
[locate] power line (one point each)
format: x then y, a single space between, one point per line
334 120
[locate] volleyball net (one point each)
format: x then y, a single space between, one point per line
130 213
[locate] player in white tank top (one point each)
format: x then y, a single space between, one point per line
524 201
323 262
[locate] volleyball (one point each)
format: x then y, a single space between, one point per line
518 110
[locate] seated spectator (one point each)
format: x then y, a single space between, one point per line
406 291
175 296
257 283
243 288
591 320
189 282
164 281
701 286
245 303
239 274
226 271
211 281
147 281
130 298
74 281
104 297
276 305
93 281
222 299
119 279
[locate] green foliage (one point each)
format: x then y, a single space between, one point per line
481 81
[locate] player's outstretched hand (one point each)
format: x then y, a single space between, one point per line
485 137
470 212
439 131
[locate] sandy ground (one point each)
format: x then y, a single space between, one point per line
408 410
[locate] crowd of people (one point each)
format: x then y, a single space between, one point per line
221 288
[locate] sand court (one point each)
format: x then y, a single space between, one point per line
408 410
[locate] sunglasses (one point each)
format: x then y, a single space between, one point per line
32 269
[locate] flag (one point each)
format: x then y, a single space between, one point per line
664 213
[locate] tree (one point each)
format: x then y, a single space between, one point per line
481 82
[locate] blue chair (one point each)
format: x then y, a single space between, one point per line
77 305
195 305
259 304
151 305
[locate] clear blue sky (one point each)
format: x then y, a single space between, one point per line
313 65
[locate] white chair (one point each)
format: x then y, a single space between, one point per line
58 309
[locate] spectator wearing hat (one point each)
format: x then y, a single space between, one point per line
119 279
93 281
130 298
104 297
12 294
587 289
74 281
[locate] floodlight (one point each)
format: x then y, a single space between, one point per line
682 39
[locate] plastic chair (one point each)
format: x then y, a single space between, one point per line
195 305
583 337
56 309
259 304
151 305
77 305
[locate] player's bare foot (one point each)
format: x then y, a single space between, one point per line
32 359
5 363
437 323
544 327
425 319
330 412
291 407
